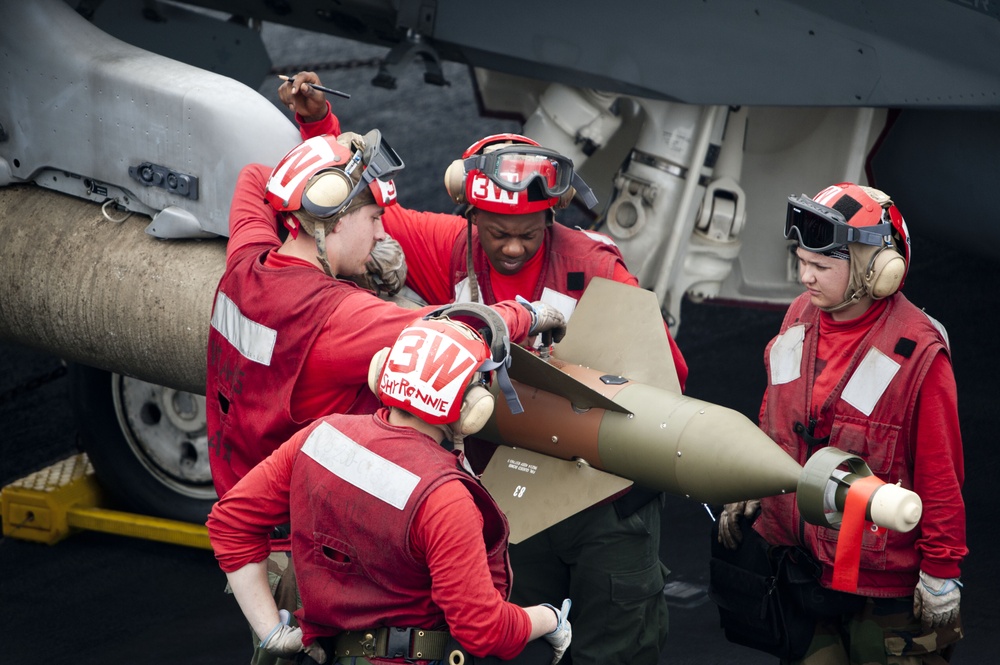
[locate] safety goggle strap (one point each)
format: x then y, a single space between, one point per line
869 235
503 380
584 191
326 212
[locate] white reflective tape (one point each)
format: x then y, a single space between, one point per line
599 237
940 328
564 303
463 291
355 464
253 340
786 356
869 381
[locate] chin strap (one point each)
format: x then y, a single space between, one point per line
449 434
321 252
469 273
851 299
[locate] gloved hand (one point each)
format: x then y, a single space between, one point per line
283 641
936 601
316 652
386 269
563 634
545 318
730 534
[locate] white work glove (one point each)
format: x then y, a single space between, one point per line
283 641
730 534
545 318
563 634
936 601
316 652
385 271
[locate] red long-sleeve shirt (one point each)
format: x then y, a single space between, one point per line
428 238
938 466
341 352
447 533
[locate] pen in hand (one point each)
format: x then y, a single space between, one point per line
321 88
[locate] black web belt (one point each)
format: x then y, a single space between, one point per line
391 642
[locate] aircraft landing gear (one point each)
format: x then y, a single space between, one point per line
147 443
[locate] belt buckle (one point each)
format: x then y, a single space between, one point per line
398 643
368 644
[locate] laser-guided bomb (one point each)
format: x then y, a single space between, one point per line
587 434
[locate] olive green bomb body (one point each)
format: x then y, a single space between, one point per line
659 439
586 434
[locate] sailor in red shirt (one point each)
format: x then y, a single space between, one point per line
858 367
517 249
506 246
392 535
289 342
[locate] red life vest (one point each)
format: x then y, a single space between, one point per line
905 336
248 402
351 530
571 259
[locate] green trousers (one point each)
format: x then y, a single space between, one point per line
610 568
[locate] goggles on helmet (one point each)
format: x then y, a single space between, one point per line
378 160
821 229
515 167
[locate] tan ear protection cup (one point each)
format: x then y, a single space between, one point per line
885 273
454 181
375 369
477 407
329 188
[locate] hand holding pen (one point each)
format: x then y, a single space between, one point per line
321 88
301 94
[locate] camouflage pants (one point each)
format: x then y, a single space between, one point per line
281 576
884 632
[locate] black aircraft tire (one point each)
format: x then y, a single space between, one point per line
141 458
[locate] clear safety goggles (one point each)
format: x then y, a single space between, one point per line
515 167
379 161
820 229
